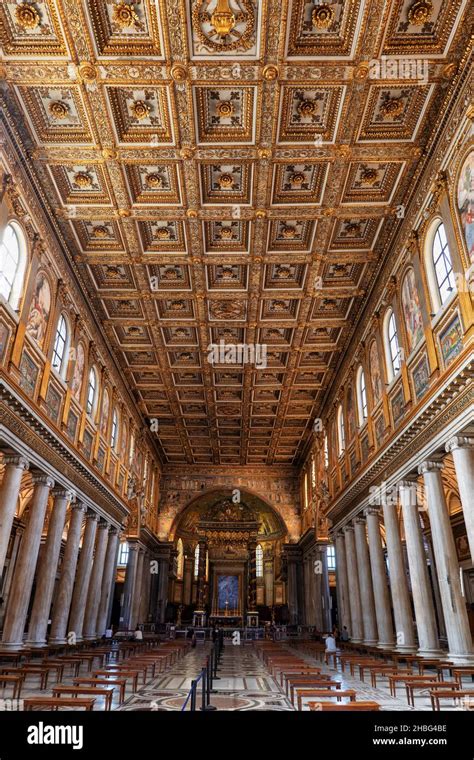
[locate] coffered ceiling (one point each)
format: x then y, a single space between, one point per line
229 171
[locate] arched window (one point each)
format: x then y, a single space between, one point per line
326 452
259 561
196 562
392 346
180 561
341 433
61 347
123 554
331 557
12 264
131 452
361 396
443 266
313 473
92 392
114 431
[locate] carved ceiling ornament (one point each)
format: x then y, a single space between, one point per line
224 25
322 16
125 16
27 16
420 12
58 109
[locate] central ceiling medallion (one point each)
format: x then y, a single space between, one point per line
83 180
288 232
225 109
420 12
226 181
307 107
224 24
154 181
163 233
125 16
100 232
140 109
369 176
297 179
58 109
392 107
322 16
27 16
226 233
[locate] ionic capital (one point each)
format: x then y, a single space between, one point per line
16 460
429 466
459 442
40 479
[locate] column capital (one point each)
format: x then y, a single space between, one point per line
429 466
339 534
348 528
372 512
92 516
359 520
459 442
409 482
16 460
78 506
39 478
64 493
103 524
133 547
113 530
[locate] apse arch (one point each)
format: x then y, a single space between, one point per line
273 524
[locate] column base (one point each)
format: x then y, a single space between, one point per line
91 637
36 644
406 649
11 646
57 642
461 659
356 641
430 653
385 645
370 642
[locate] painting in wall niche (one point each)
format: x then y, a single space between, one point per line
4 338
364 447
100 459
466 202
53 403
71 426
379 429
353 462
350 413
412 310
87 443
450 340
421 376
28 374
398 406
105 413
375 373
40 310
78 374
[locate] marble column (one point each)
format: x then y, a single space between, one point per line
95 583
48 569
137 590
62 601
447 566
365 583
405 635
342 583
462 450
81 586
379 578
163 584
321 588
19 599
15 466
357 630
130 575
428 641
108 580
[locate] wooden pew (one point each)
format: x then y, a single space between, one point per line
415 685
13 678
59 689
334 707
114 683
327 693
54 703
454 694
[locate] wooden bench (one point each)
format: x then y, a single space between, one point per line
54 703
298 672
16 679
127 674
459 672
114 683
454 694
415 685
384 671
302 678
59 689
403 678
334 707
314 684
327 693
